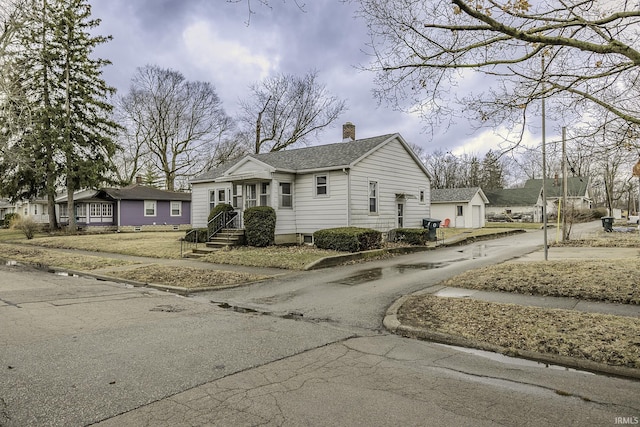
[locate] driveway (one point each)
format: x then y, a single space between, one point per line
306 349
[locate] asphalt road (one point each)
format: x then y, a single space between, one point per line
305 349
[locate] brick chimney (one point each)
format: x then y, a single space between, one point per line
138 179
348 132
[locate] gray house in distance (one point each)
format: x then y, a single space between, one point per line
375 183
132 208
525 204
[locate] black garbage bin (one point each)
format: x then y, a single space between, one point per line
432 225
607 223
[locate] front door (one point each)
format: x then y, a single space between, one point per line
400 215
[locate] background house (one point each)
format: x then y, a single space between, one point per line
375 183
132 208
36 210
525 204
464 207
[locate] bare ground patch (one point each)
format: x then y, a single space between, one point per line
612 340
186 277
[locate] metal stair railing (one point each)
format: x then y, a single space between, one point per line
225 219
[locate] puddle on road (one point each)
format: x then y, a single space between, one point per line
373 274
454 293
479 251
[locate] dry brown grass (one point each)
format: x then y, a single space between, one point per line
603 280
612 340
186 277
52 258
288 257
152 244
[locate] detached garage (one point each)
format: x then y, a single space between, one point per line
463 207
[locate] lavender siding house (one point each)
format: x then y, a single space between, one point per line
132 208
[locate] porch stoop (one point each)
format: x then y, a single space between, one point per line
226 237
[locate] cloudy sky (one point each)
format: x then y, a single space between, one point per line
209 40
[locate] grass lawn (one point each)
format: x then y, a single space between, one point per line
612 340
53 258
186 277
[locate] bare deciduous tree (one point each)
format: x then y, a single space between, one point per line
285 110
176 123
423 49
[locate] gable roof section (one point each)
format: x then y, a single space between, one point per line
449 195
316 158
513 196
141 192
577 186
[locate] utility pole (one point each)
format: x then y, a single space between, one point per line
544 169
565 180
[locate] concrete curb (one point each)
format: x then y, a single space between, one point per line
335 260
180 290
392 324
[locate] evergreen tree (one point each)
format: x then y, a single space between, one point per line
492 172
66 136
87 129
28 166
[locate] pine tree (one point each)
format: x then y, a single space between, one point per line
492 172
67 137
87 130
28 165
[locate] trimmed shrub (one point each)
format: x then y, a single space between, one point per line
260 226
412 236
222 207
9 218
349 239
200 235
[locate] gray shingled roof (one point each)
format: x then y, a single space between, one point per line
141 192
444 195
317 157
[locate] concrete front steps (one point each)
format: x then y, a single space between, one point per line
225 238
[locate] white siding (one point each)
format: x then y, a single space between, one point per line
316 213
396 172
285 217
200 201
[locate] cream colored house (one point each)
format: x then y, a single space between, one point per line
374 183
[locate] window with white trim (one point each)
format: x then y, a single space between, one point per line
107 210
459 210
321 185
286 196
237 196
252 195
176 208
212 199
422 196
265 197
150 207
94 210
222 195
373 197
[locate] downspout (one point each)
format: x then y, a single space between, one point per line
346 172
119 216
